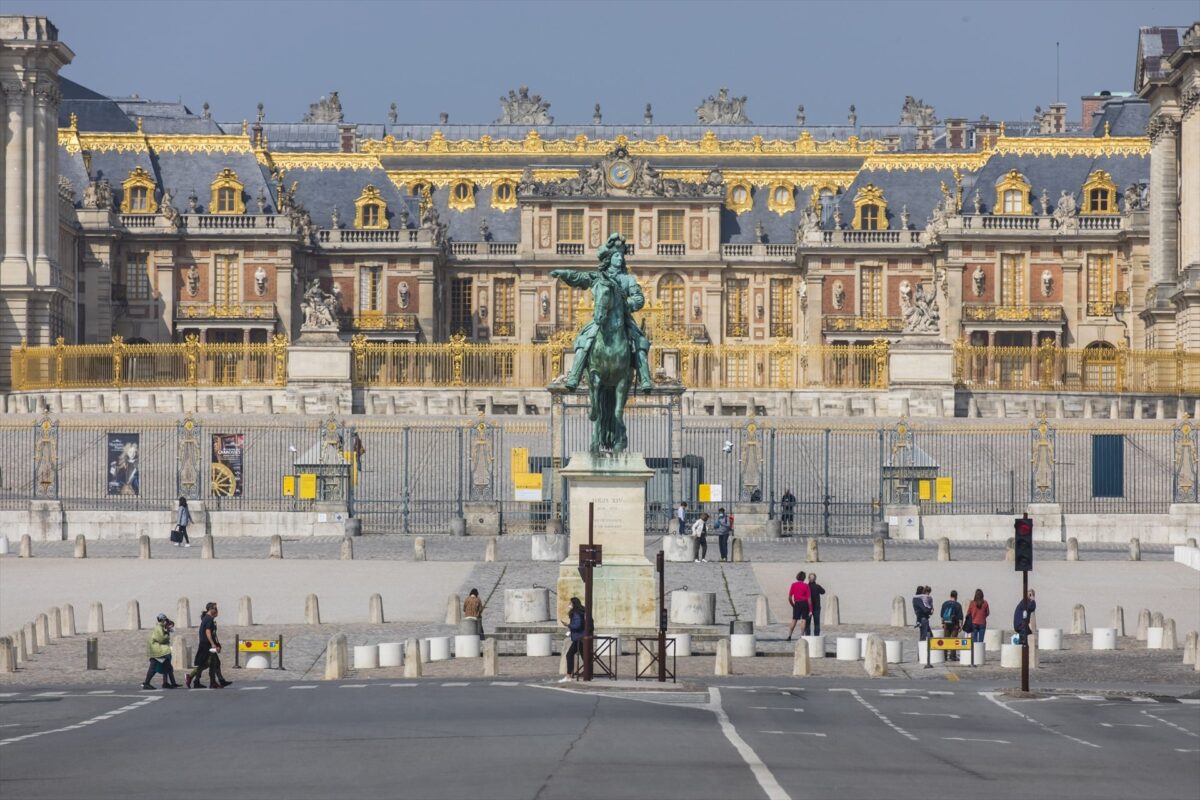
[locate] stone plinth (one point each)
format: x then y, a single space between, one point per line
526 605
623 591
693 608
680 548
907 522
1047 521
750 519
482 519
921 359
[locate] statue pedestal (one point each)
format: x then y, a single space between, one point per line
623 589
921 359
319 373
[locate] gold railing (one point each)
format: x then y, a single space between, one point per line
1052 369
119 365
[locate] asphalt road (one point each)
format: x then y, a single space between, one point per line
503 739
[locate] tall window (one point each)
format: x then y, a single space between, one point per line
670 227
671 295
567 301
1012 280
1098 201
137 199
1014 201
781 307
370 215
226 201
570 225
870 217
370 288
226 283
137 276
737 308
461 310
621 221
1099 285
871 296
505 307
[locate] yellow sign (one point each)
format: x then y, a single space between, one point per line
519 458
950 644
710 493
258 645
923 490
308 486
945 490
289 485
529 480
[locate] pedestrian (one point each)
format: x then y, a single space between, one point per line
575 628
359 451
976 616
473 607
159 652
681 518
1032 609
952 617
700 531
800 599
183 518
1022 614
922 605
815 590
724 529
788 503
208 653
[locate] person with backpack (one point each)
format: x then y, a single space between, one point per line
575 627
952 617
700 531
975 620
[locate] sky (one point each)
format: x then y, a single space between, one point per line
964 58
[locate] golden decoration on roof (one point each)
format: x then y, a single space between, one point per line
209 143
405 179
1086 146
335 161
888 162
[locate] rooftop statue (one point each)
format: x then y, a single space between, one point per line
327 109
611 345
723 110
916 112
620 175
521 108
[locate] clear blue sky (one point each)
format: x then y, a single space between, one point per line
966 58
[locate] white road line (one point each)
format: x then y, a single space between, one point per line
251 688
1189 700
9 694
963 739
353 686
1181 750
302 687
144 701
102 691
928 714
761 772
795 733
456 684
399 685
992 696
776 708
494 683
1089 697
1173 725
936 691
10 725
1143 700
49 694
882 717
1124 725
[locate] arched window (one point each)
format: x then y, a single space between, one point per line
227 192
370 210
504 195
1100 194
672 297
739 198
870 209
462 195
138 193
782 199
1012 194
1100 366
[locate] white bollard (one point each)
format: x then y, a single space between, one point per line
1191 647
68 620
1156 619
419 548
366 656
1010 656
207 547
375 609
831 612
391 654
538 645
1135 549
1143 624
412 658
81 546
1072 549
491 659
489 550
1104 638
26 548
943 553
762 612
335 658
875 657
816 646
743 645
55 615
346 551
143 546
8 655
895 651
683 644
134 616
1050 639
879 549
439 648
1154 638
992 638
934 657
680 548
31 637
800 661
849 648
814 554
1118 620
3 545
1169 640
183 613
466 646
312 610
276 546
245 612
1033 650
257 661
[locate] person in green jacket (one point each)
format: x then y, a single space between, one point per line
159 652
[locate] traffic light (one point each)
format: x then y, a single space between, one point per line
1023 550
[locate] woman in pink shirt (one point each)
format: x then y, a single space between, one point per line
800 599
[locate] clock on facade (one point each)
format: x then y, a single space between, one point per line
620 174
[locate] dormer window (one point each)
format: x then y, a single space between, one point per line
137 199
370 215
226 201
138 193
869 217
870 209
504 195
1012 194
782 199
227 194
1100 194
462 195
739 199
370 210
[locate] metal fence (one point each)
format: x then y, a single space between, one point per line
416 477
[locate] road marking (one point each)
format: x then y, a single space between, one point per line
1090 696
1181 750
761 772
10 725
49 694
353 686
399 685
494 683
1124 725
937 691
795 733
302 687
1189 700
1143 699
132 706
251 688
963 739
456 684
1173 725
776 708
928 714
102 691
9 694
882 717
992 696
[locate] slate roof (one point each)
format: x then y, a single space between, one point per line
503 226
1056 174
920 190
184 172
319 190
1126 116
70 166
116 166
94 112
1154 45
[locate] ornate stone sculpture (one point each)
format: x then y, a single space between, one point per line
1044 202
520 108
168 210
319 308
619 175
852 117
261 200
1047 283
65 189
904 217
920 312
431 220
260 281
597 117
648 116
810 221
485 232
760 233
978 201
916 112
335 219
402 294
392 115
723 110
839 295
544 303
800 115
193 280
327 109
978 277
403 216
1065 218
98 194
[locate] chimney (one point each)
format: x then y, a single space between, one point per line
956 134
891 143
1058 117
986 133
924 137
1092 105
348 142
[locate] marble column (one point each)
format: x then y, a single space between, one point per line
45 196
13 269
1164 200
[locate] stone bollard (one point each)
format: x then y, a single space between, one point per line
1156 619
412 658
491 660
419 548
943 549
1135 549
8 655
183 613
1169 640
312 610
21 646
738 554
723 661
31 637
206 547
1118 620
1072 549
880 549
831 612
813 553
245 612
762 612
875 657
1010 550
801 666
143 546
489 550
68 620
26 549
899 612
1078 620
376 609
1033 650
3 545
41 631
181 652
133 616
93 653
276 546
81 546
96 618
1143 624
55 622
347 551
453 610
1190 647
562 660
336 667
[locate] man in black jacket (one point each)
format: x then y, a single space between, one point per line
952 617
815 617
